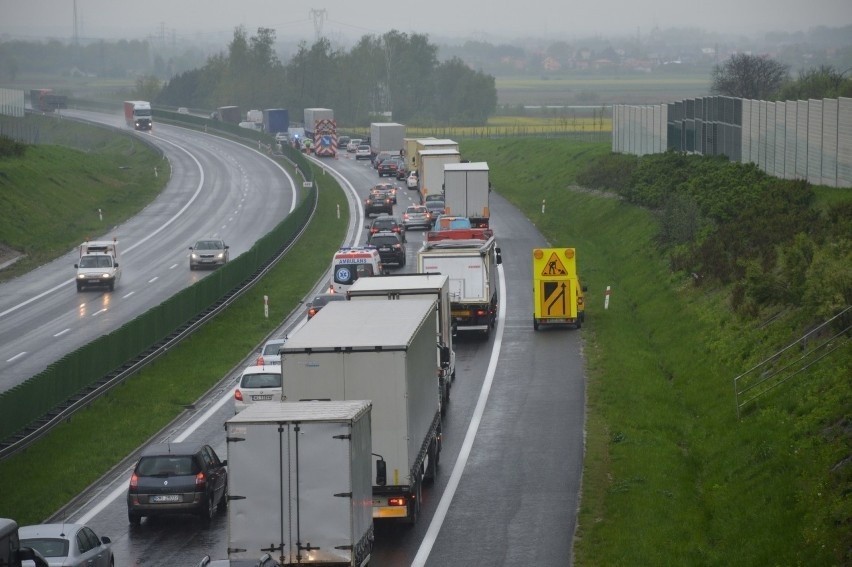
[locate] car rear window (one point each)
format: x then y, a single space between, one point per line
272 348
384 240
48 547
167 465
270 380
416 210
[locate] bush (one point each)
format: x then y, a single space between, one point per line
11 148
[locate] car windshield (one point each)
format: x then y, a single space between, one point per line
209 245
436 197
167 465
95 262
48 547
384 240
322 300
437 205
265 380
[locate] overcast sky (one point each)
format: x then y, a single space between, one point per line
481 19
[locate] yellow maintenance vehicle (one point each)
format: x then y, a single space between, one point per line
558 297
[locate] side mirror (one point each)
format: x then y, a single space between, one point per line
105 540
76 266
224 462
498 255
116 264
381 472
190 247
29 554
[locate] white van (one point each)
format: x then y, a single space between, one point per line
349 264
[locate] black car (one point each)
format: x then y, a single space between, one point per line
387 223
390 247
376 204
177 478
321 300
389 166
342 142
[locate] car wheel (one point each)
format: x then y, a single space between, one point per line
207 512
223 503
134 518
112 286
79 287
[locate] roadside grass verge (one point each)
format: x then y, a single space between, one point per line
671 476
50 197
74 455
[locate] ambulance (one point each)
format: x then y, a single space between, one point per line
352 263
558 296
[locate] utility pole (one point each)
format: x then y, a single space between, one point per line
318 16
76 30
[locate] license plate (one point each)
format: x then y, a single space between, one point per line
262 397
166 498
461 313
384 249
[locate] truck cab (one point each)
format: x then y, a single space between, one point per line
98 265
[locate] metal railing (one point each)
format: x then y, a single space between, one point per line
787 363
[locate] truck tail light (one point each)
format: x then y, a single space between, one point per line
396 501
238 395
480 312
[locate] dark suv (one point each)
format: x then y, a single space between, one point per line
390 247
388 223
177 478
377 203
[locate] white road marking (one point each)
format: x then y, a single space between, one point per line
461 461
98 312
173 266
60 333
127 295
155 278
17 356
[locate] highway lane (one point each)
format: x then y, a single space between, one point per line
516 472
218 188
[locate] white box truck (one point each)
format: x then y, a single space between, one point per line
468 258
387 137
390 361
466 192
411 286
299 485
431 168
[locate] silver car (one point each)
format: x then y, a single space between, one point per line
417 215
208 253
269 353
68 545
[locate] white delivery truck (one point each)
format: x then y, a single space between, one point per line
361 350
387 137
468 257
431 168
421 144
299 485
98 264
466 192
411 286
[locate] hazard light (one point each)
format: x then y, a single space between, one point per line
569 253
538 254
397 501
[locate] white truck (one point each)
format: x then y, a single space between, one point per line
431 168
98 264
468 257
410 286
314 115
361 350
387 137
466 192
299 485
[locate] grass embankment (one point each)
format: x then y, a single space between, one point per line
671 477
49 199
47 475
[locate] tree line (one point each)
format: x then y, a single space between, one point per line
763 78
395 72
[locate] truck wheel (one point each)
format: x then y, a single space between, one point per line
579 324
432 467
414 508
535 324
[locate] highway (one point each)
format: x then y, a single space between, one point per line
510 471
218 189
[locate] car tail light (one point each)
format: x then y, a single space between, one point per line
134 482
399 501
238 395
397 246
396 229
405 216
201 479
259 361
312 312
480 312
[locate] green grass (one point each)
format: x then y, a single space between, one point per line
50 198
671 477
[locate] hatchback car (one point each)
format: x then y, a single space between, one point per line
269 353
386 223
353 145
258 384
436 208
343 142
380 157
177 478
208 253
363 152
68 544
390 246
389 166
412 180
416 215
321 300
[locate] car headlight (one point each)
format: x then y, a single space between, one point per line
221 255
81 276
105 275
194 256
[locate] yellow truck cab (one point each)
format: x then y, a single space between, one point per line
558 296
